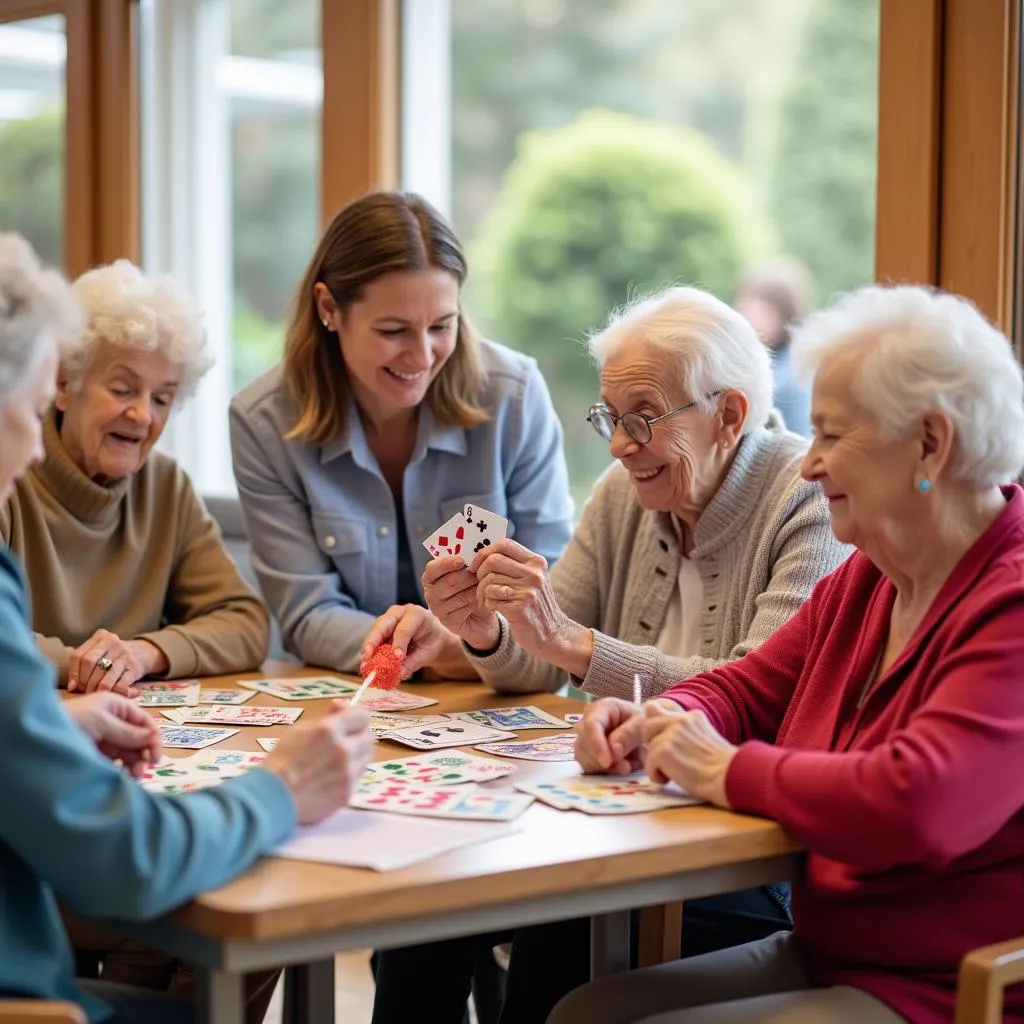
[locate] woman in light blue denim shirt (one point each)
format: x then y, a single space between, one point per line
386 416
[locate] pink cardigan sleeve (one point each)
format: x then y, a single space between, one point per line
941 785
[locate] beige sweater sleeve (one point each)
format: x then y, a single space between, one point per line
217 624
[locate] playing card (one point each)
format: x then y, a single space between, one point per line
449 538
301 689
192 736
233 715
442 768
400 797
213 696
447 734
483 528
207 768
393 700
528 717
168 694
382 723
545 748
267 743
606 794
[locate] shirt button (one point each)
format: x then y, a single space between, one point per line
329 541
383 531
421 530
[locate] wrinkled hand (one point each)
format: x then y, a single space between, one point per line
687 749
609 737
514 581
320 761
131 660
120 729
450 590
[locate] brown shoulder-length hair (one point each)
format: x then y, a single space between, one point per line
375 235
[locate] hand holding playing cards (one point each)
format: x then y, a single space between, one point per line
321 761
515 581
687 749
106 662
120 729
451 593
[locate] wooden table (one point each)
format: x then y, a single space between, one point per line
562 864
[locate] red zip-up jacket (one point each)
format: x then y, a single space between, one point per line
911 806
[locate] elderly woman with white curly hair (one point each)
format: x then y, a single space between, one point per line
883 725
694 548
128 574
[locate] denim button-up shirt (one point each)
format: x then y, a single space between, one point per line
322 522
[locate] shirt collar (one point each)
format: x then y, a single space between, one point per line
429 435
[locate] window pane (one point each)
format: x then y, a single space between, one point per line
32 62
275 84
605 148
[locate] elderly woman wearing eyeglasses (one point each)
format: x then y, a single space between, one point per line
699 543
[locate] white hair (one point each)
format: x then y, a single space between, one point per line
125 307
34 302
927 350
707 345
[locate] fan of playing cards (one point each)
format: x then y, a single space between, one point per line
467 533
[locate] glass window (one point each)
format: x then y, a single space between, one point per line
602 149
274 79
32 91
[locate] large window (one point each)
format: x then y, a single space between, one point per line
32 72
604 148
231 104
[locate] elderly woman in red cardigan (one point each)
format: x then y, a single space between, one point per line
883 725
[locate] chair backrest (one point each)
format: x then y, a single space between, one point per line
40 1011
228 514
984 975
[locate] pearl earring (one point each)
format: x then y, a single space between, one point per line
725 444
326 322
924 486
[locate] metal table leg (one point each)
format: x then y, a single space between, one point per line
219 997
309 993
609 943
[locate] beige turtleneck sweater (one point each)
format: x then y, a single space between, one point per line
141 558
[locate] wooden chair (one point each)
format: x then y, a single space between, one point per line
984 974
40 1011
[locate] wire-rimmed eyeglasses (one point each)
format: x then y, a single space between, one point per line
636 424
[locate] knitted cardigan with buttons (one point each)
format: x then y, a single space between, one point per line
760 546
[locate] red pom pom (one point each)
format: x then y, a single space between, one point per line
387 663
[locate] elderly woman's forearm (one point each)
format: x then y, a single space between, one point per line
571 649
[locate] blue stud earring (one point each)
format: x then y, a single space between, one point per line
924 486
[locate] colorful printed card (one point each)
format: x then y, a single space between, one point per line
213 713
393 700
213 696
177 693
301 689
546 748
192 736
401 797
447 734
441 768
382 723
207 768
528 717
606 794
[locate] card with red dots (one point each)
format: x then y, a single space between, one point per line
441 768
393 700
467 801
468 532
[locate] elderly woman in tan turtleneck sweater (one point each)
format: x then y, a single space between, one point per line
128 575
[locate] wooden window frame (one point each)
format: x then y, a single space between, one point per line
100 126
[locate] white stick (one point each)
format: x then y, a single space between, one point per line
362 689
637 689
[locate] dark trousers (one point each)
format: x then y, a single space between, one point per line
431 982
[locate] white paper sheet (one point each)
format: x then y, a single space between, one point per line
384 842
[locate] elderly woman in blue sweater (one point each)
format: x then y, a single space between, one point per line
62 786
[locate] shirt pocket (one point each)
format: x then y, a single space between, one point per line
343 540
494 502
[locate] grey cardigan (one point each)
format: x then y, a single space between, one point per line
761 545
